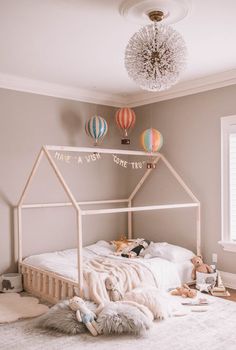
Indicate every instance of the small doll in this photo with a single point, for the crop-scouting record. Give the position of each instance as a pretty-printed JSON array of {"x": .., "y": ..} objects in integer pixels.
[
  {"x": 83, "y": 314},
  {"x": 134, "y": 252}
]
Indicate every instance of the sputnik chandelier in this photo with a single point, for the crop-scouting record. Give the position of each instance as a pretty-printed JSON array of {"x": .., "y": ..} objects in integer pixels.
[{"x": 156, "y": 55}]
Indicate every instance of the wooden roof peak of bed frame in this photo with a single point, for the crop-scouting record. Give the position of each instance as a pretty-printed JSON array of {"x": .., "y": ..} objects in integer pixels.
[{"x": 45, "y": 151}]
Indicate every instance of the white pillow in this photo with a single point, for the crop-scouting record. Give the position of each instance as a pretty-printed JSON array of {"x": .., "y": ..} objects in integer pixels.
[
  {"x": 169, "y": 252},
  {"x": 101, "y": 248}
]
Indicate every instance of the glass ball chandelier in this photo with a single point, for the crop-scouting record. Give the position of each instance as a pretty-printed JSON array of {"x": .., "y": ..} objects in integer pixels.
[{"x": 156, "y": 55}]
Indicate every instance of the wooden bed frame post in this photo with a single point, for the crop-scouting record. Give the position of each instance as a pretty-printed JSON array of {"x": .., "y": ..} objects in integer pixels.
[
  {"x": 198, "y": 230},
  {"x": 79, "y": 253},
  {"x": 130, "y": 231},
  {"x": 19, "y": 239},
  {"x": 79, "y": 220},
  {"x": 19, "y": 207}
]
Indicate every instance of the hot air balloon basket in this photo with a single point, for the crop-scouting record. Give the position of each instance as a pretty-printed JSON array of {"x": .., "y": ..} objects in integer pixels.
[
  {"x": 125, "y": 141},
  {"x": 151, "y": 166}
]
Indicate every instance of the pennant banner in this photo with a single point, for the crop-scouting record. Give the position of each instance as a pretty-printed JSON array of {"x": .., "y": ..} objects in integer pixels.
[
  {"x": 93, "y": 157},
  {"x": 68, "y": 158},
  {"x": 125, "y": 164}
]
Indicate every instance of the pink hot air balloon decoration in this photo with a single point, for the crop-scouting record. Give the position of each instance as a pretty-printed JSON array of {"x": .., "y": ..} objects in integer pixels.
[{"x": 125, "y": 120}]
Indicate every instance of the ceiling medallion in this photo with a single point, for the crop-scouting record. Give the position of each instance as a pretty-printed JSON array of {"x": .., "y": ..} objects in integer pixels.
[
  {"x": 156, "y": 55},
  {"x": 137, "y": 10}
]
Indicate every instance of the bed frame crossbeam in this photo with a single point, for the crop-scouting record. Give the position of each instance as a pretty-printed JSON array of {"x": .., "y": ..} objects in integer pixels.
[
  {"x": 69, "y": 204},
  {"x": 133, "y": 209},
  {"x": 31, "y": 273},
  {"x": 99, "y": 150}
]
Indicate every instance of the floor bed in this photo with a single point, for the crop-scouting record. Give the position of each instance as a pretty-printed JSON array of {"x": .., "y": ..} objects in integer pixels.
[{"x": 54, "y": 276}]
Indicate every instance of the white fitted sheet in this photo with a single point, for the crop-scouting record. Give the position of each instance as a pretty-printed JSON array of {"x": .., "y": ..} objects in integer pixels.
[
  {"x": 64, "y": 263},
  {"x": 185, "y": 269}
]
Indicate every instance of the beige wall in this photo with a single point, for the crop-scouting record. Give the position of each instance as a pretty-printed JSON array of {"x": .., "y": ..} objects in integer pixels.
[
  {"x": 191, "y": 129},
  {"x": 28, "y": 121}
]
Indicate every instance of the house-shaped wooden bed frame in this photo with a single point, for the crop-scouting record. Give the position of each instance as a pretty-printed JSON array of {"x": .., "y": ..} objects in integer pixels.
[{"x": 52, "y": 286}]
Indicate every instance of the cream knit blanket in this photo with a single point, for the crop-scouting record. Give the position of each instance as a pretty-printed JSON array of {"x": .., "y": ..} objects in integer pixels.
[{"x": 130, "y": 273}]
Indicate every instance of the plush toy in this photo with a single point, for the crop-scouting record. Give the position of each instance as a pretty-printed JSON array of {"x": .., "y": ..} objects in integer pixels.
[
  {"x": 83, "y": 314},
  {"x": 184, "y": 292},
  {"x": 121, "y": 244},
  {"x": 200, "y": 266},
  {"x": 137, "y": 250},
  {"x": 111, "y": 283}
]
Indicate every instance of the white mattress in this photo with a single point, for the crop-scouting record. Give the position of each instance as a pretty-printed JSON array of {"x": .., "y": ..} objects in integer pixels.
[
  {"x": 185, "y": 269},
  {"x": 64, "y": 263}
]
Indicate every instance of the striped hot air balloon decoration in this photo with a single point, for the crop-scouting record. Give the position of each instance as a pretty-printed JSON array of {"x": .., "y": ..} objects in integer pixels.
[
  {"x": 152, "y": 141},
  {"x": 96, "y": 127},
  {"x": 125, "y": 119}
]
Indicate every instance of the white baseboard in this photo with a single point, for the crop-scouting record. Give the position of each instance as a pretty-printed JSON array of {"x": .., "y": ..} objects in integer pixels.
[{"x": 229, "y": 279}]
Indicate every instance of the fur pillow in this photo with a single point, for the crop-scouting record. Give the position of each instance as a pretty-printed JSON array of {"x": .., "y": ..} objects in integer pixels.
[
  {"x": 62, "y": 319},
  {"x": 153, "y": 299},
  {"x": 115, "y": 317},
  {"x": 124, "y": 317}
]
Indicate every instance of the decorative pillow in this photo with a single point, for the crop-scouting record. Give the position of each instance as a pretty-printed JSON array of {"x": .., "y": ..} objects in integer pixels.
[
  {"x": 169, "y": 252},
  {"x": 153, "y": 299},
  {"x": 124, "y": 317},
  {"x": 62, "y": 319},
  {"x": 101, "y": 248},
  {"x": 205, "y": 281}
]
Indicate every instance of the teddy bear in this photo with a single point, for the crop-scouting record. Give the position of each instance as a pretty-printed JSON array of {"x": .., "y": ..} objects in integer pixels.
[
  {"x": 113, "y": 291},
  {"x": 83, "y": 314},
  {"x": 184, "y": 292},
  {"x": 199, "y": 266}
]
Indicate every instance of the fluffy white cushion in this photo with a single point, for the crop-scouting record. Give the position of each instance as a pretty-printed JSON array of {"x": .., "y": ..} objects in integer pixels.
[
  {"x": 169, "y": 252},
  {"x": 153, "y": 299}
]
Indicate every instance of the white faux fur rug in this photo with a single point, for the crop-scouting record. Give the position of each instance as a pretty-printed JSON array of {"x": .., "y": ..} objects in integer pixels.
[
  {"x": 14, "y": 307},
  {"x": 211, "y": 330}
]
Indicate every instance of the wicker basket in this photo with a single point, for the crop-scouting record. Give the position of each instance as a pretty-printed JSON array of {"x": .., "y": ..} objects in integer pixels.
[{"x": 11, "y": 283}]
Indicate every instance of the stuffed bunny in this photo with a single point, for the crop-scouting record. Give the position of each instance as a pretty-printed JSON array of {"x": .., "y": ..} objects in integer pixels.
[
  {"x": 83, "y": 314},
  {"x": 111, "y": 283},
  {"x": 184, "y": 292}
]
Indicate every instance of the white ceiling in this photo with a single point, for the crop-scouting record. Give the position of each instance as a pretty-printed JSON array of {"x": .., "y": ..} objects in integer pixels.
[{"x": 76, "y": 48}]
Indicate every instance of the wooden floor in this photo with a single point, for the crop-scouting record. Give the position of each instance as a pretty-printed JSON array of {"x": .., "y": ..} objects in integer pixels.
[{"x": 232, "y": 295}]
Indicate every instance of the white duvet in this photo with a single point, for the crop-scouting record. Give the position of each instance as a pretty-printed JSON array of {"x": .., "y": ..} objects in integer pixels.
[{"x": 64, "y": 263}]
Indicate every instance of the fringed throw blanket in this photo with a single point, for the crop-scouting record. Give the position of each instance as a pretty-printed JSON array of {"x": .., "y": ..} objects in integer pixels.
[{"x": 130, "y": 273}]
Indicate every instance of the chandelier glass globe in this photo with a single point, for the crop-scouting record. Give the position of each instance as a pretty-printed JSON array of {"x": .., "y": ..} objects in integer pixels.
[{"x": 155, "y": 57}]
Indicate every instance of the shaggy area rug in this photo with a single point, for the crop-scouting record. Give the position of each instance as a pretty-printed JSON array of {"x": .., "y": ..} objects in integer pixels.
[
  {"x": 14, "y": 307},
  {"x": 210, "y": 330}
]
